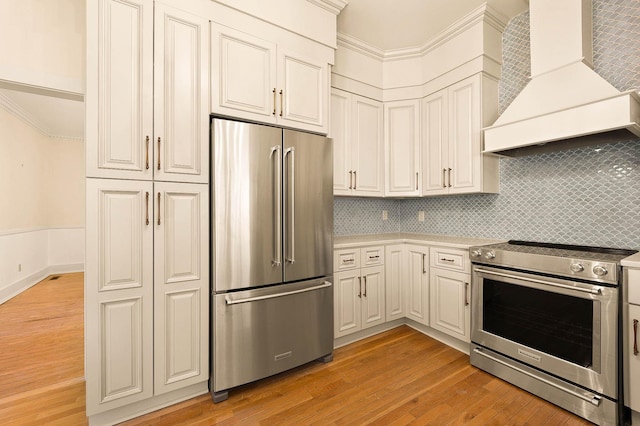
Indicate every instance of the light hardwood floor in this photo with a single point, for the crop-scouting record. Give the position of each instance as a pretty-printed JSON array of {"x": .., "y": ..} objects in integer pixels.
[{"x": 395, "y": 378}]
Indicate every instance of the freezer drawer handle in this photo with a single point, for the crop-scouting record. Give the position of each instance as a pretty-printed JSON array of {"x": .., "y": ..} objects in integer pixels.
[
  {"x": 230, "y": 301},
  {"x": 594, "y": 399},
  {"x": 594, "y": 290}
]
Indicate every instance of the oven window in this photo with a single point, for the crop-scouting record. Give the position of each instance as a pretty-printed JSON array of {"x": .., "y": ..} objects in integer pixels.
[{"x": 554, "y": 323}]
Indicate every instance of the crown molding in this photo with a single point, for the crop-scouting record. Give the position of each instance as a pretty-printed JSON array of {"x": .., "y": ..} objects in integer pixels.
[
  {"x": 333, "y": 6},
  {"x": 28, "y": 118},
  {"x": 483, "y": 13}
]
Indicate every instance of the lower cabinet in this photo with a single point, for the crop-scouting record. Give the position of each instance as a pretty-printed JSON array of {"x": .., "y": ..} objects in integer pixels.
[
  {"x": 146, "y": 280},
  {"x": 450, "y": 308},
  {"x": 394, "y": 279},
  {"x": 358, "y": 299},
  {"x": 630, "y": 337},
  {"x": 417, "y": 283}
]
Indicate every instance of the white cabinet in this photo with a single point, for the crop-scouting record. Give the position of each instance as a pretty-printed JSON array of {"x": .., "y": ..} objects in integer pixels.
[
  {"x": 146, "y": 274},
  {"x": 358, "y": 150},
  {"x": 359, "y": 289},
  {"x": 181, "y": 96},
  {"x": 181, "y": 285},
  {"x": 258, "y": 79},
  {"x": 402, "y": 148},
  {"x": 118, "y": 293},
  {"x": 631, "y": 336},
  {"x": 417, "y": 283},
  {"x": 452, "y": 159},
  {"x": 141, "y": 131},
  {"x": 449, "y": 292},
  {"x": 394, "y": 278}
]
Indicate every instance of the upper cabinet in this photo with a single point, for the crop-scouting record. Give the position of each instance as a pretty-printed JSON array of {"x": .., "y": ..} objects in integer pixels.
[
  {"x": 146, "y": 131},
  {"x": 402, "y": 148},
  {"x": 261, "y": 80},
  {"x": 452, "y": 119},
  {"x": 358, "y": 151}
]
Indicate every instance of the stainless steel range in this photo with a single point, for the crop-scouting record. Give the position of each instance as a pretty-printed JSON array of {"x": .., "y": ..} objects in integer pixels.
[{"x": 546, "y": 318}]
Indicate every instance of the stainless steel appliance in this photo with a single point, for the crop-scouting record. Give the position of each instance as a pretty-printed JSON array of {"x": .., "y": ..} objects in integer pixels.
[
  {"x": 546, "y": 318},
  {"x": 272, "y": 242}
]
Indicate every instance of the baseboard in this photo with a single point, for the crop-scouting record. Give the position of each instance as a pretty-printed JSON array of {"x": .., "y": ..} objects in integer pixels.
[{"x": 14, "y": 289}]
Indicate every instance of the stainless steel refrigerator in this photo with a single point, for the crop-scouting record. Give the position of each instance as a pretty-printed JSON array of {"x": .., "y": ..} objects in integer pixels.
[{"x": 272, "y": 252}]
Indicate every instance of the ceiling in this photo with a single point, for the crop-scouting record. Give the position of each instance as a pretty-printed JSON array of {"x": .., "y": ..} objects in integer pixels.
[
  {"x": 52, "y": 116},
  {"x": 391, "y": 25}
]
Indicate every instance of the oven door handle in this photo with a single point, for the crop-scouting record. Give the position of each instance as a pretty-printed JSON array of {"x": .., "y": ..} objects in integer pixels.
[
  {"x": 594, "y": 399},
  {"x": 594, "y": 290}
]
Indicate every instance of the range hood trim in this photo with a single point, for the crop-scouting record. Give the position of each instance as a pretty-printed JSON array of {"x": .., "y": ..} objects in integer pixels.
[{"x": 621, "y": 111}]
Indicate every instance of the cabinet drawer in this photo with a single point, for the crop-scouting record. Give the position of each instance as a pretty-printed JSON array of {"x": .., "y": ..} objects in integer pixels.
[
  {"x": 634, "y": 286},
  {"x": 346, "y": 259},
  {"x": 456, "y": 260},
  {"x": 372, "y": 256}
]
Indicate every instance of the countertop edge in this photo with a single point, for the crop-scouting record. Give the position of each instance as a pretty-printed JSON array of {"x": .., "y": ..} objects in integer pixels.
[
  {"x": 632, "y": 261},
  {"x": 461, "y": 242}
]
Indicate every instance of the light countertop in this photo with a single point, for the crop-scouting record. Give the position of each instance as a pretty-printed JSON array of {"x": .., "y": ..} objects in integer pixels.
[
  {"x": 632, "y": 261},
  {"x": 382, "y": 239}
]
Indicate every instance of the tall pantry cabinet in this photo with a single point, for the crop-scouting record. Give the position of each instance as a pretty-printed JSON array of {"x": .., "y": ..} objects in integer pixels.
[{"x": 147, "y": 138}]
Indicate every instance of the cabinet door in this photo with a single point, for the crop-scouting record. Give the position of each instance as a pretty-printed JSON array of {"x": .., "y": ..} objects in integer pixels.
[
  {"x": 417, "y": 291},
  {"x": 347, "y": 294},
  {"x": 181, "y": 285},
  {"x": 302, "y": 92},
  {"x": 435, "y": 144},
  {"x": 450, "y": 302},
  {"x": 373, "y": 294},
  {"x": 632, "y": 362},
  {"x": 402, "y": 148},
  {"x": 119, "y": 116},
  {"x": 118, "y": 293},
  {"x": 394, "y": 278},
  {"x": 368, "y": 147},
  {"x": 243, "y": 75},
  {"x": 340, "y": 132},
  {"x": 464, "y": 136},
  {"x": 181, "y": 96}
]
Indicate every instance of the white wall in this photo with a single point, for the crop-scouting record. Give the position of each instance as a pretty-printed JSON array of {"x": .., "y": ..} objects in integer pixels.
[
  {"x": 41, "y": 205},
  {"x": 43, "y": 43}
]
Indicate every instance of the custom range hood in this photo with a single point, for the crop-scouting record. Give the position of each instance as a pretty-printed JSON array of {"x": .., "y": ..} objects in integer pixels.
[{"x": 566, "y": 104}]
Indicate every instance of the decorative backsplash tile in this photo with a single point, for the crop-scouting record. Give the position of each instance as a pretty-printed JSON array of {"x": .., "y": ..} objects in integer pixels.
[{"x": 585, "y": 196}]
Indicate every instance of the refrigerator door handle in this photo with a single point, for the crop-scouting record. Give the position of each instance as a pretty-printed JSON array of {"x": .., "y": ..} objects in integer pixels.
[
  {"x": 230, "y": 301},
  {"x": 291, "y": 195},
  {"x": 277, "y": 260}
]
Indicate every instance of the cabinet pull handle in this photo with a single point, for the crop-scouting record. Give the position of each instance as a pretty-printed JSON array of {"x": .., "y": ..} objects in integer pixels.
[
  {"x": 449, "y": 177},
  {"x": 360, "y": 287},
  {"x": 355, "y": 180},
  {"x": 635, "y": 337},
  {"x": 444, "y": 259},
  {"x": 466, "y": 294},
  {"x": 158, "y": 208},
  {"x": 147, "y": 208},
  {"x": 444, "y": 178},
  {"x": 350, "y": 179},
  {"x": 281, "y": 102},
  {"x": 365, "y": 286},
  {"x": 424, "y": 268},
  {"x": 158, "y": 152},
  {"x": 416, "y": 181},
  {"x": 274, "y": 101},
  {"x": 147, "y": 153}
]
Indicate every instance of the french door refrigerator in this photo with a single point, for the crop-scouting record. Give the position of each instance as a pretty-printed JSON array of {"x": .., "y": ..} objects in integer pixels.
[{"x": 272, "y": 246}]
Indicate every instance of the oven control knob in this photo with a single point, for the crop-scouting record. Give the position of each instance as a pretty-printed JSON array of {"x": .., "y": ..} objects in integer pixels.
[
  {"x": 577, "y": 267},
  {"x": 476, "y": 253},
  {"x": 600, "y": 270},
  {"x": 490, "y": 255}
]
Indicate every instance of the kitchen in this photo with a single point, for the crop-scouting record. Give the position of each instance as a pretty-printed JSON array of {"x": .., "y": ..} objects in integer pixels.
[{"x": 529, "y": 185}]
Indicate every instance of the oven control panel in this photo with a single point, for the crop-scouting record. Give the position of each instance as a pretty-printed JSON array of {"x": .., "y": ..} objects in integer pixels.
[{"x": 530, "y": 260}]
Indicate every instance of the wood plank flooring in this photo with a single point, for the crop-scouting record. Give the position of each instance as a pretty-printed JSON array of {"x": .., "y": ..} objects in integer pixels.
[{"x": 395, "y": 378}]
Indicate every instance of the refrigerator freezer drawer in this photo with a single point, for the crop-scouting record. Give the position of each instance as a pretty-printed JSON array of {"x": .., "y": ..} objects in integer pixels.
[{"x": 262, "y": 332}]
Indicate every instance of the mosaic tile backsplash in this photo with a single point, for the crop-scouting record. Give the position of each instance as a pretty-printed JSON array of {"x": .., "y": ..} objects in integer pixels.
[{"x": 585, "y": 196}]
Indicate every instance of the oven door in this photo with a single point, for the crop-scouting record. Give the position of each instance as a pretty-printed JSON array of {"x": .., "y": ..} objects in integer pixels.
[{"x": 563, "y": 327}]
